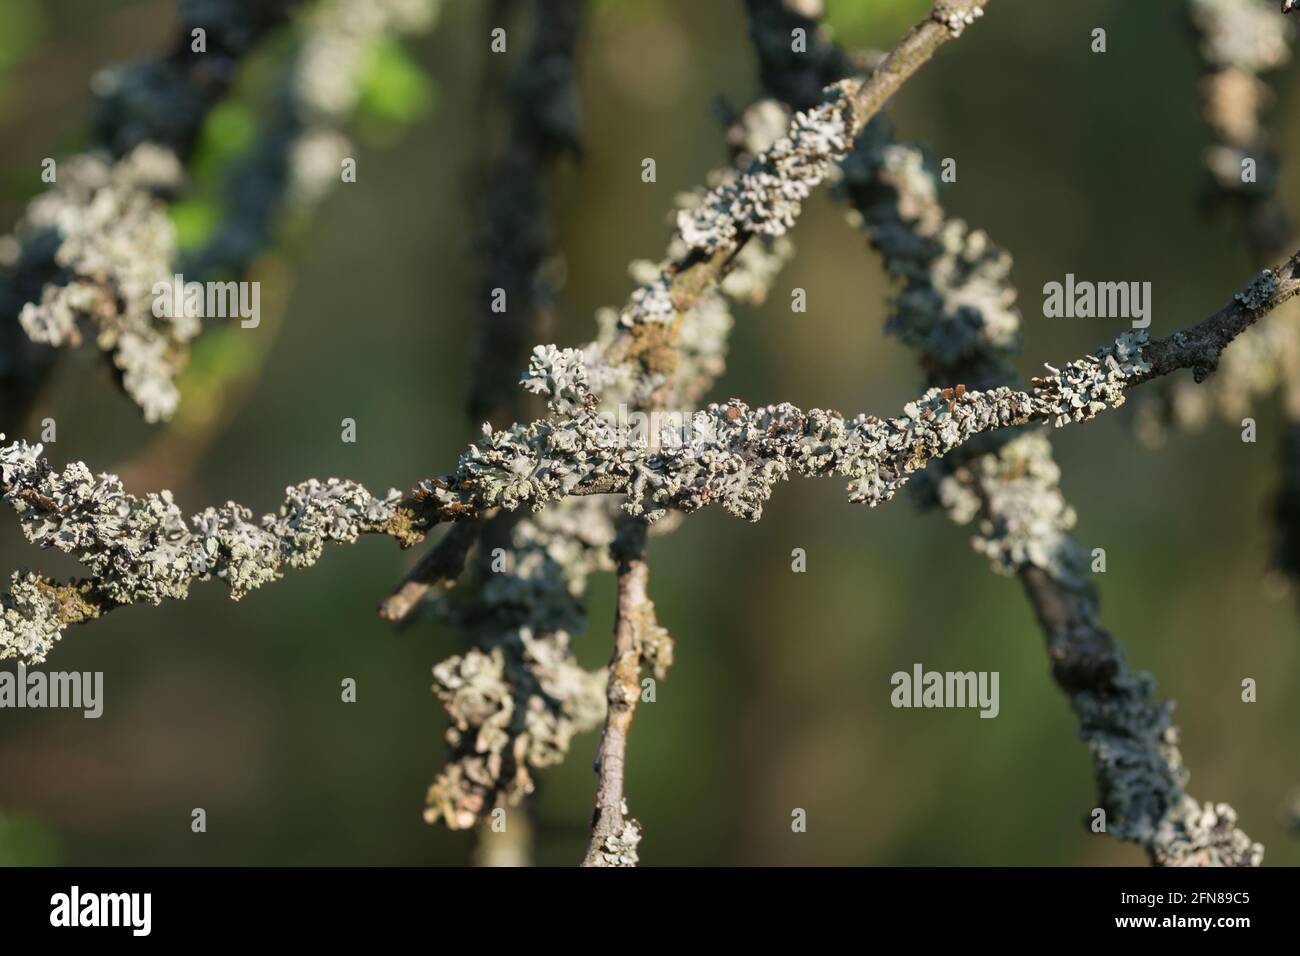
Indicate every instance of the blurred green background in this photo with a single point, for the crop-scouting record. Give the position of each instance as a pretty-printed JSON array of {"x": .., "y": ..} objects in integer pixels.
[{"x": 779, "y": 699}]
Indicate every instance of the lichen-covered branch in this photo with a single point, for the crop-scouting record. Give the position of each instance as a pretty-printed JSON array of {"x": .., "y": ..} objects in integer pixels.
[
  {"x": 86, "y": 255},
  {"x": 763, "y": 200},
  {"x": 957, "y": 309},
  {"x": 143, "y": 549},
  {"x": 91, "y": 248},
  {"x": 638, "y": 640},
  {"x": 732, "y": 455},
  {"x": 1239, "y": 42},
  {"x": 546, "y": 558},
  {"x": 637, "y": 366},
  {"x": 1134, "y": 743},
  {"x": 1024, "y": 523}
]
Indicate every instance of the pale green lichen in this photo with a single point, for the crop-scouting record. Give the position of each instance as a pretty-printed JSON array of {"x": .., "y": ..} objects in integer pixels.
[
  {"x": 518, "y": 710},
  {"x": 620, "y": 849},
  {"x": 767, "y": 197},
  {"x": 1014, "y": 496},
  {"x": 734, "y": 456},
  {"x": 144, "y": 550},
  {"x": 524, "y": 615},
  {"x": 1259, "y": 291},
  {"x": 114, "y": 243},
  {"x": 560, "y": 377},
  {"x": 29, "y": 619},
  {"x": 1244, "y": 34},
  {"x": 1089, "y": 386},
  {"x": 517, "y": 700}
]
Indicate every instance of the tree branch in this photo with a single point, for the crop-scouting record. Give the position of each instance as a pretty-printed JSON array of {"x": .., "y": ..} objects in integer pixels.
[
  {"x": 764, "y": 200},
  {"x": 957, "y": 310},
  {"x": 98, "y": 261},
  {"x": 442, "y": 563},
  {"x": 638, "y": 639},
  {"x": 92, "y": 248},
  {"x": 141, "y": 551},
  {"x": 516, "y": 240}
]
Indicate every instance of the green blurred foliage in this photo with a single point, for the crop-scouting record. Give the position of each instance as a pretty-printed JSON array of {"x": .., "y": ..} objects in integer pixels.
[
  {"x": 230, "y": 129},
  {"x": 395, "y": 92},
  {"x": 26, "y": 842},
  {"x": 194, "y": 219},
  {"x": 22, "y": 27},
  {"x": 870, "y": 24}
]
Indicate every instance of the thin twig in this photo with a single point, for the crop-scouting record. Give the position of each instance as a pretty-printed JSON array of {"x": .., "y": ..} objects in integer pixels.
[
  {"x": 442, "y": 563},
  {"x": 614, "y": 834}
]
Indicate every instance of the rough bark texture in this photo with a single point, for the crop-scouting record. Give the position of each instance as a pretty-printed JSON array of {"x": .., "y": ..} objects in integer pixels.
[{"x": 614, "y": 834}]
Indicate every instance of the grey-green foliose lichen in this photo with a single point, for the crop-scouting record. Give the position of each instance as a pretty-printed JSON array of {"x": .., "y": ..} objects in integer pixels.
[{"x": 144, "y": 550}]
